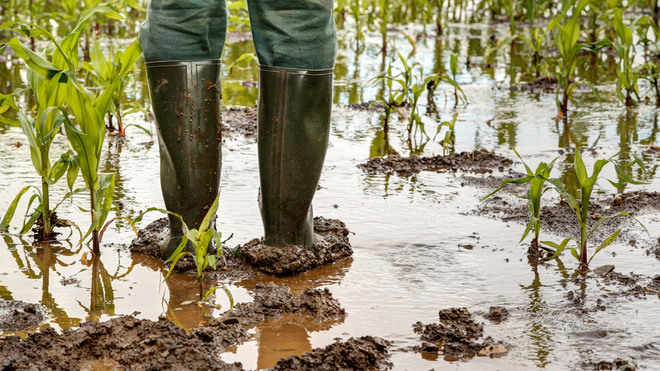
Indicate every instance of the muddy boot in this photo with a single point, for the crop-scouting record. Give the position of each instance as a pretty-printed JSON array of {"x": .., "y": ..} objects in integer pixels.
[
  {"x": 293, "y": 129},
  {"x": 185, "y": 96}
]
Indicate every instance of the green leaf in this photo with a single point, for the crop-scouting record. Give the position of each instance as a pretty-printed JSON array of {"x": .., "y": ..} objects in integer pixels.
[
  {"x": 4, "y": 224},
  {"x": 174, "y": 261},
  {"x": 608, "y": 241}
]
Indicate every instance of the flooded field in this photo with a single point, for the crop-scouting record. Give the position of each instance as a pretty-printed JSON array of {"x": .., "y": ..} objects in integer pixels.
[{"x": 422, "y": 243}]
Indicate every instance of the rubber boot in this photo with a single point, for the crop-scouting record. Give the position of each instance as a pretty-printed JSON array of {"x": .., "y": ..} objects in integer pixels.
[
  {"x": 185, "y": 97},
  {"x": 292, "y": 138}
]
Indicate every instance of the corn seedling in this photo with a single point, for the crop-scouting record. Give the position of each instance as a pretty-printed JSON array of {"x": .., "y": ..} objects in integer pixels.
[
  {"x": 537, "y": 188},
  {"x": 449, "y": 140},
  {"x": 566, "y": 35},
  {"x": 626, "y": 84},
  {"x": 106, "y": 70},
  {"x": 393, "y": 98},
  {"x": 200, "y": 239},
  {"x": 586, "y": 185}
]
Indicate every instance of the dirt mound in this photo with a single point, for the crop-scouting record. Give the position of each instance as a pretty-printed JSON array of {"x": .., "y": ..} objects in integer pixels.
[
  {"x": 560, "y": 218},
  {"x": 365, "y": 353},
  {"x": 497, "y": 314},
  {"x": 480, "y": 161},
  {"x": 617, "y": 364},
  {"x": 240, "y": 121},
  {"x": 367, "y": 106},
  {"x": 546, "y": 84},
  {"x": 18, "y": 315},
  {"x": 456, "y": 334},
  {"x": 124, "y": 342},
  {"x": 294, "y": 259},
  {"x": 254, "y": 255},
  {"x": 271, "y": 300},
  {"x": 132, "y": 343}
]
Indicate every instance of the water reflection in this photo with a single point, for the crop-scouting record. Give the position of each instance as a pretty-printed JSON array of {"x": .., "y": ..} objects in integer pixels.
[{"x": 36, "y": 262}]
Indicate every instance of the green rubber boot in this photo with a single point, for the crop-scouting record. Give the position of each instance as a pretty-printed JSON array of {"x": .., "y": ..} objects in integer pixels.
[
  {"x": 185, "y": 97},
  {"x": 293, "y": 129}
]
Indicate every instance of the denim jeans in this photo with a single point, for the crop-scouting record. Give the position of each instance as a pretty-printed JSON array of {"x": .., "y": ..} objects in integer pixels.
[{"x": 286, "y": 33}]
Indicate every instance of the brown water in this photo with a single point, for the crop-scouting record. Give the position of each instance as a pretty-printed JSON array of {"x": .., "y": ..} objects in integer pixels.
[{"x": 407, "y": 263}]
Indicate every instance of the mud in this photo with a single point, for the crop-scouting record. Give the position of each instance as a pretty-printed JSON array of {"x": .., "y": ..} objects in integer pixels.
[
  {"x": 560, "y": 219},
  {"x": 617, "y": 364},
  {"x": 371, "y": 106},
  {"x": 124, "y": 342},
  {"x": 244, "y": 260},
  {"x": 240, "y": 122},
  {"x": 456, "y": 334},
  {"x": 16, "y": 315},
  {"x": 497, "y": 314},
  {"x": 334, "y": 246},
  {"x": 479, "y": 161},
  {"x": 545, "y": 84},
  {"x": 130, "y": 343},
  {"x": 273, "y": 301},
  {"x": 365, "y": 353}
]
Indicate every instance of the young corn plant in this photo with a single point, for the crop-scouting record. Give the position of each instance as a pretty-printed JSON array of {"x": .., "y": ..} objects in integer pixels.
[
  {"x": 626, "y": 84},
  {"x": 537, "y": 188},
  {"x": 449, "y": 141},
  {"x": 392, "y": 98},
  {"x": 105, "y": 71},
  {"x": 48, "y": 81},
  {"x": 200, "y": 240},
  {"x": 566, "y": 35},
  {"x": 87, "y": 134},
  {"x": 586, "y": 185}
]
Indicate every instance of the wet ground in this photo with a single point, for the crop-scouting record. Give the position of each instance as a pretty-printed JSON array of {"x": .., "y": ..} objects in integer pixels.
[{"x": 420, "y": 243}]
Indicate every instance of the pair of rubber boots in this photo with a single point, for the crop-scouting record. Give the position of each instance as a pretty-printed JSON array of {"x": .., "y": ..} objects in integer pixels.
[{"x": 293, "y": 128}]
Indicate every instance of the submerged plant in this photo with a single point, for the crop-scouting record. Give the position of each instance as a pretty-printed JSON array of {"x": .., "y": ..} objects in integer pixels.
[
  {"x": 586, "y": 185},
  {"x": 537, "y": 188}
]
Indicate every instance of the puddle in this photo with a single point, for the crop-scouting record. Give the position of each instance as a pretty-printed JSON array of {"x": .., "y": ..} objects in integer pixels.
[{"x": 409, "y": 234}]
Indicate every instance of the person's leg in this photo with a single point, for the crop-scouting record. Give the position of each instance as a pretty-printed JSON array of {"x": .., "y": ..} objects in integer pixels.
[
  {"x": 182, "y": 42},
  {"x": 176, "y": 30},
  {"x": 296, "y": 46}
]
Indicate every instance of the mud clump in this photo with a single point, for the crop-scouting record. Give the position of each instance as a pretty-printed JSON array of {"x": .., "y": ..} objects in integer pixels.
[
  {"x": 546, "y": 84},
  {"x": 254, "y": 255},
  {"x": 124, "y": 342},
  {"x": 617, "y": 364},
  {"x": 365, "y": 353},
  {"x": 497, "y": 314},
  {"x": 456, "y": 334},
  {"x": 272, "y": 301},
  {"x": 240, "y": 121},
  {"x": 294, "y": 259},
  {"x": 372, "y": 106},
  {"x": 560, "y": 217},
  {"x": 479, "y": 161},
  {"x": 18, "y": 315},
  {"x": 635, "y": 201},
  {"x": 130, "y": 343}
]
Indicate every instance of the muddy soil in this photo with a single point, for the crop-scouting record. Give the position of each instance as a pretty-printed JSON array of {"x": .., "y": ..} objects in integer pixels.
[
  {"x": 560, "y": 219},
  {"x": 456, "y": 335},
  {"x": 545, "y": 84},
  {"x": 365, "y": 353},
  {"x": 131, "y": 343},
  {"x": 370, "y": 106},
  {"x": 16, "y": 315},
  {"x": 293, "y": 259},
  {"x": 245, "y": 259},
  {"x": 240, "y": 122},
  {"x": 617, "y": 364},
  {"x": 479, "y": 161}
]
